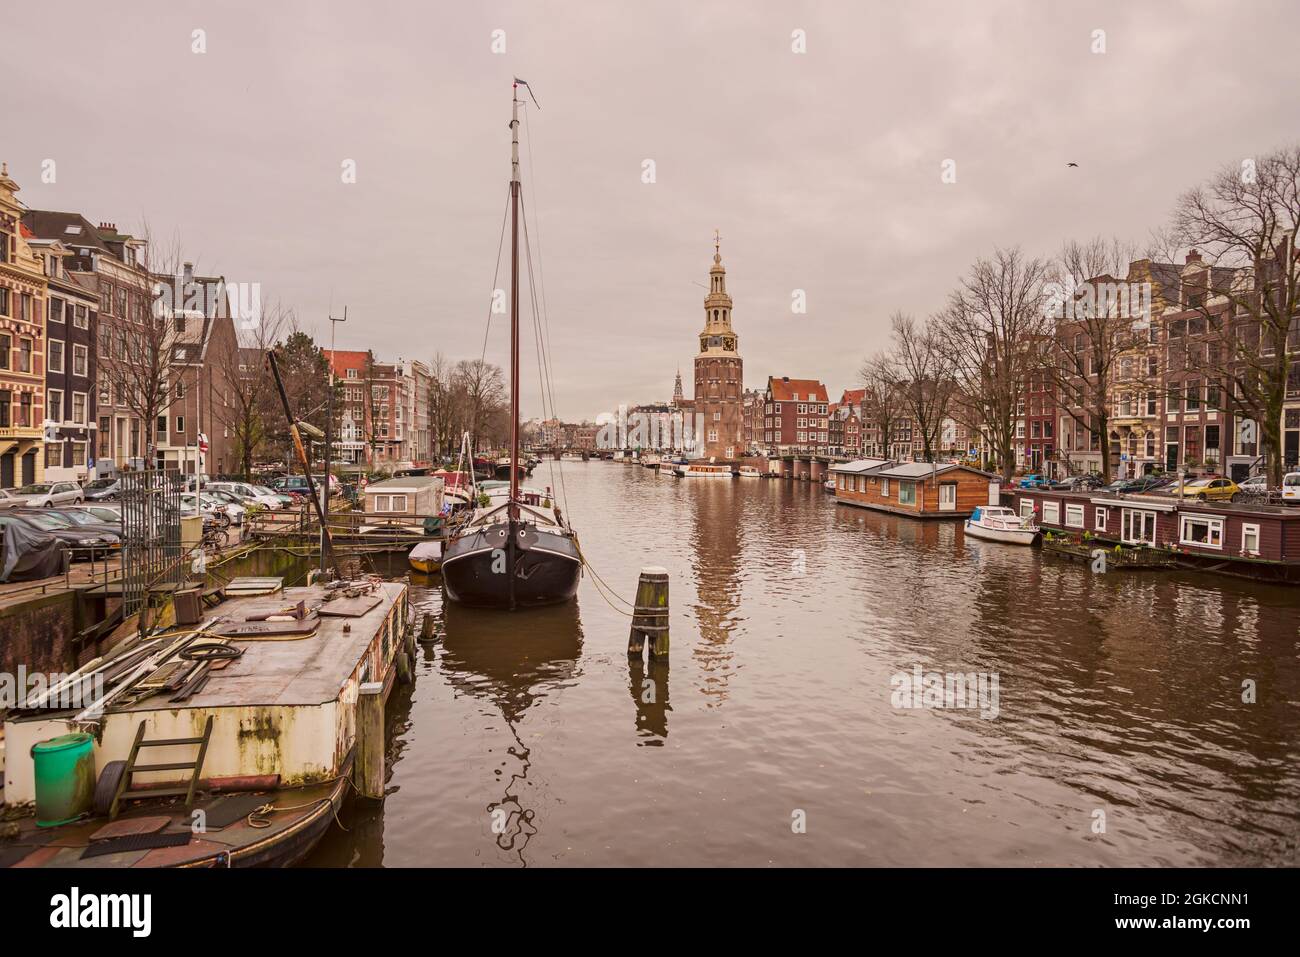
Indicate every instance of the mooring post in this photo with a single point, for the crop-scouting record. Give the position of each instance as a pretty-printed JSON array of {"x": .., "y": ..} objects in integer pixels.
[
  {"x": 650, "y": 616},
  {"x": 426, "y": 628},
  {"x": 368, "y": 770}
]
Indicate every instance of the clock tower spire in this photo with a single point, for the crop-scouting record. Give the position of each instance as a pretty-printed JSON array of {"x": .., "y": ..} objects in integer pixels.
[{"x": 719, "y": 369}]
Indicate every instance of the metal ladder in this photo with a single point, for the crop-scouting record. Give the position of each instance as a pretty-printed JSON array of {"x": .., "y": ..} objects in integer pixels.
[{"x": 124, "y": 793}]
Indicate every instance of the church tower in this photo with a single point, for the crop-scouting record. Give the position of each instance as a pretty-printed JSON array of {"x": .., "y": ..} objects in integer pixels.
[
  {"x": 718, "y": 370},
  {"x": 678, "y": 395}
]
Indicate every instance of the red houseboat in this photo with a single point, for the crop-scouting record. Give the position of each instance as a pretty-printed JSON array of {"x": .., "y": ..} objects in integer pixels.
[{"x": 1255, "y": 541}]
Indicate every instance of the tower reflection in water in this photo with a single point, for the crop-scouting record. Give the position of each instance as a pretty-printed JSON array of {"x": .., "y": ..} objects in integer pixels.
[{"x": 512, "y": 660}]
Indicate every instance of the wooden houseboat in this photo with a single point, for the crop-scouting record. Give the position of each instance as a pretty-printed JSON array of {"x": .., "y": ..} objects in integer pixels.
[
  {"x": 401, "y": 504},
  {"x": 915, "y": 489},
  {"x": 230, "y": 744},
  {"x": 1255, "y": 541}
]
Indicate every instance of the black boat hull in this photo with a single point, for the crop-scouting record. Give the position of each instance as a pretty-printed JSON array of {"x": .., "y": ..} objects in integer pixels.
[{"x": 491, "y": 568}]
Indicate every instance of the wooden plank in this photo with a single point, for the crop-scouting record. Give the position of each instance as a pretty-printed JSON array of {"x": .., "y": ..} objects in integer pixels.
[{"x": 349, "y": 607}]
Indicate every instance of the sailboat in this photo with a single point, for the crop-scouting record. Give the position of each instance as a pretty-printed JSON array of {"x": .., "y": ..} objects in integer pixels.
[{"x": 516, "y": 552}]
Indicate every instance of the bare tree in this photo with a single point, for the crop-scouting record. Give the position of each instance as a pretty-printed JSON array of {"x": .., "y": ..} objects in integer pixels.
[
  {"x": 881, "y": 402},
  {"x": 485, "y": 395},
  {"x": 250, "y": 387},
  {"x": 446, "y": 405},
  {"x": 1098, "y": 321},
  {"x": 304, "y": 370},
  {"x": 135, "y": 350},
  {"x": 925, "y": 385},
  {"x": 992, "y": 332},
  {"x": 1243, "y": 223}
]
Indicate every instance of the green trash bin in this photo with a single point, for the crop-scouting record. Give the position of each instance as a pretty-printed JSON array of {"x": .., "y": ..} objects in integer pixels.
[{"x": 65, "y": 778}]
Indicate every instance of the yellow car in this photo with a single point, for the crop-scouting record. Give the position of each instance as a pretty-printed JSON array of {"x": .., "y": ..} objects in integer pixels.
[{"x": 1212, "y": 490}]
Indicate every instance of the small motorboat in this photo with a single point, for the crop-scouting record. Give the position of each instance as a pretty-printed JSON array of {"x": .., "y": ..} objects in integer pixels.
[
  {"x": 748, "y": 471},
  {"x": 426, "y": 557},
  {"x": 829, "y": 486},
  {"x": 997, "y": 523}
]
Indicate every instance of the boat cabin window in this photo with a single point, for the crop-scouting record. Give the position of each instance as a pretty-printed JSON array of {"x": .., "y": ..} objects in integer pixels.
[
  {"x": 1074, "y": 516},
  {"x": 906, "y": 493},
  {"x": 389, "y": 503},
  {"x": 1201, "y": 530},
  {"x": 1052, "y": 513},
  {"x": 1137, "y": 527},
  {"x": 1026, "y": 507},
  {"x": 1250, "y": 539},
  {"x": 1099, "y": 519}
]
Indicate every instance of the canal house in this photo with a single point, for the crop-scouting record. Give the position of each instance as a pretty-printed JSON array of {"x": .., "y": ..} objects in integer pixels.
[
  {"x": 1260, "y": 541},
  {"x": 917, "y": 489}
]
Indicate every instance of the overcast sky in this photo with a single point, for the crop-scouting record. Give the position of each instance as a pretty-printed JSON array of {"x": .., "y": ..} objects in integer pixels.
[{"x": 821, "y": 169}]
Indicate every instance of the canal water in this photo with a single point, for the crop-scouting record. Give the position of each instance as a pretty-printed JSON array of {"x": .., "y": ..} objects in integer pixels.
[{"x": 1118, "y": 734}]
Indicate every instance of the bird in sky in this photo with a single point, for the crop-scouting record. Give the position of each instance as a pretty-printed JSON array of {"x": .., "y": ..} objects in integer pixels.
[{"x": 1072, "y": 164}]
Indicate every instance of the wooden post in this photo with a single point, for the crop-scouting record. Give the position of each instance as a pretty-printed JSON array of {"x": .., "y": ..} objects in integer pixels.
[
  {"x": 368, "y": 769},
  {"x": 426, "y": 628},
  {"x": 650, "y": 617}
]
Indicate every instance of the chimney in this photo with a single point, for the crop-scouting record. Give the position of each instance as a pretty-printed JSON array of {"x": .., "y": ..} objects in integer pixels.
[
  {"x": 189, "y": 273},
  {"x": 1192, "y": 257},
  {"x": 108, "y": 227}
]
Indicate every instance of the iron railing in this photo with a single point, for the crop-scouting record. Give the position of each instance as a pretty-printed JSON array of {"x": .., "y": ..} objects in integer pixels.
[{"x": 151, "y": 535}]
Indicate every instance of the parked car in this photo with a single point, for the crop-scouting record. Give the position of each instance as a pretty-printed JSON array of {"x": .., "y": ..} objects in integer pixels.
[
  {"x": 87, "y": 542},
  {"x": 213, "y": 506},
  {"x": 297, "y": 484},
  {"x": 1080, "y": 483},
  {"x": 1211, "y": 490},
  {"x": 102, "y": 490},
  {"x": 1291, "y": 487},
  {"x": 292, "y": 485},
  {"x": 77, "y": 518},
  {"x": 230, "y": 499},
  {"x": 245, "y": 493},
  {"x": 10, "y": 500},
  {"x": 1033, "y": 481},
  {"x": 49, "y": 494},
  {"x": 283, "y": 500},
  {"x": 1139, "y": 485},
  {"x": 108, "y": 514},
  {"x": 1256, "y": 484}
]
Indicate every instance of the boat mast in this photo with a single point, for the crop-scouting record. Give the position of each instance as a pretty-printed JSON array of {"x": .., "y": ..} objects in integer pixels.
[{"x": 514, "y": 305}]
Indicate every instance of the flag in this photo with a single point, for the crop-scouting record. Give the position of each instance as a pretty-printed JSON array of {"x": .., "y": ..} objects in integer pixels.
[{"x": 519, "y": 82}]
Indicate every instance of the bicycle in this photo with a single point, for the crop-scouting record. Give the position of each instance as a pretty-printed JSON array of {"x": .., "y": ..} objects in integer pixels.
[{"x": 215, "y": 537}]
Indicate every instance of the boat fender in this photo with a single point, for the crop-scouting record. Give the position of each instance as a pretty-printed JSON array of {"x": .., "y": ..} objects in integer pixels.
[{"x": 404, "y": 674}]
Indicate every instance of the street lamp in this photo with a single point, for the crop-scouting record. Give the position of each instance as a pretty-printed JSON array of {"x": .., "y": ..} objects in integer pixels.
[{"x": 329, "y": 436}]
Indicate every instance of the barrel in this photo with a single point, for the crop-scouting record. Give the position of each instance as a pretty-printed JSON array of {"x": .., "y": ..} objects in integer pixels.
[{"x": 65, "y": 778}]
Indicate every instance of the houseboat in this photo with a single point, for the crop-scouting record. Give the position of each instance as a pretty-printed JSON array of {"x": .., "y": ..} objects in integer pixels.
[
  {"x": 915, "y": 489},
  {"x": 457, "y": 488},
  {"x": 702, "y": 470},
  {"x": 1254, "y": 541},
  {"x": 749, "y": 472},
  {"x": 227, "y": 744},
  {"x": 400, "y": 505}
]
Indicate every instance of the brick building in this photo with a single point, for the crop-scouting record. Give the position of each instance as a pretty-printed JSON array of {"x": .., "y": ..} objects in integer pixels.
[{"x": 796, "y": 415}]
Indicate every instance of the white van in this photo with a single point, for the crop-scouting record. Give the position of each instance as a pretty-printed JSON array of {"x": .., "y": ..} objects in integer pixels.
[{"x": 1291, "y": 487}]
